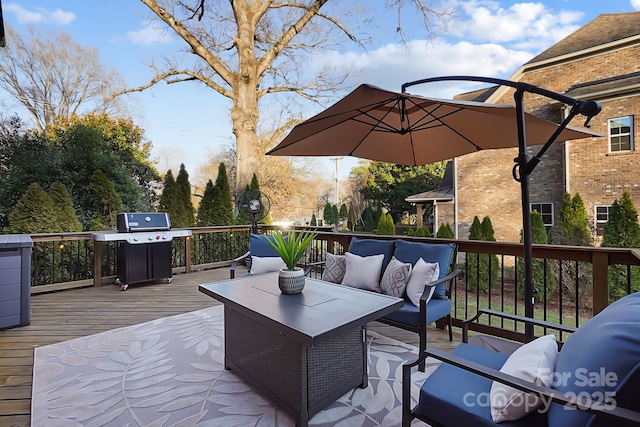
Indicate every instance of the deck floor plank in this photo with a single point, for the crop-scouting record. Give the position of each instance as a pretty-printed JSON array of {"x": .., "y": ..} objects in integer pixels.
[{"x": 65, "y": 315}]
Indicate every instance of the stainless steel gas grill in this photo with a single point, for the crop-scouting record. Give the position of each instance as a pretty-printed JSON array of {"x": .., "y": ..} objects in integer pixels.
[{"x": 143, "y": 246}]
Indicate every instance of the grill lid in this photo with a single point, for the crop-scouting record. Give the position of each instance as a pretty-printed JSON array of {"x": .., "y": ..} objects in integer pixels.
[{"x": 143, "y": 221}]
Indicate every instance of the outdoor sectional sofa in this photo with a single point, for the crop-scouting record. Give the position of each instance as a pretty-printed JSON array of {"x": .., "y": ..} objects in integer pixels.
[{"x": 433, "y": 302}]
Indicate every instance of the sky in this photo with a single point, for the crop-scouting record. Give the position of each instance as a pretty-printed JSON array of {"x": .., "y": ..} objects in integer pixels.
[{"x": 185, "y": 122}]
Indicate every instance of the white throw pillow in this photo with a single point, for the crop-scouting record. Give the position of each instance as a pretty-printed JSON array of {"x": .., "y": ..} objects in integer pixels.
[
  {"x": 363, "y": 272},
  {"x": 395, "y": 278},
  {"x": 267, "y": 264},
  {"x": 334, "y": 268},
  {"x": 533, "y": 362},
  {"x": 421, "y": 274}
]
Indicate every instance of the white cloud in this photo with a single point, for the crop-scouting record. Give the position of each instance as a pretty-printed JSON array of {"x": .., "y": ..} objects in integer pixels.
[
  {"x": 151, "y": 32},
  {"x": 522, "y": 25},
  {"x": 39, "y": 15},
  {"x": 635, "y": 4},
  {"x": 392, "y": 65}
]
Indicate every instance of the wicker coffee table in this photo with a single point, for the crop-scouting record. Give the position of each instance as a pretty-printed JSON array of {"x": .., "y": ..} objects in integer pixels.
[{"x": 303, "y": 351}]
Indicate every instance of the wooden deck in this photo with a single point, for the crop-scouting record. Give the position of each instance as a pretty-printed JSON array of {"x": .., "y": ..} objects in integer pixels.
[{"x": 75, "y": 313}]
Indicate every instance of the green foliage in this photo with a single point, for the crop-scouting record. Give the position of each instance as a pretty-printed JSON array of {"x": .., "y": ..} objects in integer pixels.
[
  {"x": 330, "y": 214},
  {"x": 573, "y": 220},
  {"x": 184, "y": 210},
  {"x": 109, "y": 202},
  {"x": 488, "y": 234},
  {"x": 538, "y": 236},
  {"x": 386, "y": 226},
  {"x": 327, "y": 214},
  {"x": 293, "y": 247},
  {"x": 223, "y": 205},
  {"x": 368, "y": 219},
  {"x": 34, "y": 213},
  {"x": 573, "y": 230},
  {"x": 482, "y": 268},
  {"x": 169, "y": 195},
  {"x": 63, "y": 206},
  {"x": 475, "y": 231},
  {"x": 622, "y": 231},
  {"x": 335, "y": 215},
  {"x": 445, "y": 231},
  {"x": 344, "y": 212},
  {"x": 206, "y": 209},
  {"x": 254, "y": 183},
  {"x": 390, "y": 184},
  {"x": 70, "y": 153},
  {"x": 314, "y": 221},
  {"x": 411, "y": 232},
  {"x": 422, "y": 232}
]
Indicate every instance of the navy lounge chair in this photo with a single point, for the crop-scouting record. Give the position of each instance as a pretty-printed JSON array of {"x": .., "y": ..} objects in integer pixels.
[{"x": 607, "y": 347}]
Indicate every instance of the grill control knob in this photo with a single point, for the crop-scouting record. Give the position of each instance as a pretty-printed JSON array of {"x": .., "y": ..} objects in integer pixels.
[{"x": 150, "y": 237}]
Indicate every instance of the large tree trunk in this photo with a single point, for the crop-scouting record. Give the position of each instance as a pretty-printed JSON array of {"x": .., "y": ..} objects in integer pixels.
[
  {"x": 244, "y": 118},
  {"x": 245, "y": 113}
]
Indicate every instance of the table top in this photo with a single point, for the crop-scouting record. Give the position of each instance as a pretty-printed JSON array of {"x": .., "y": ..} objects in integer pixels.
[{"x": 320, "y": 312}]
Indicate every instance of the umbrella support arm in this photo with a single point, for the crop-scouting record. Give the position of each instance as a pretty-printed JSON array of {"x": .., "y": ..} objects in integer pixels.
[
  {"x": 533, "y": 162},
  {"x": 586, "y": 108},
  {"x": 524, "y": 167}
]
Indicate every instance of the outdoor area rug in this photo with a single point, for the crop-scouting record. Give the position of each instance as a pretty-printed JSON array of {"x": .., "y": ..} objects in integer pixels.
[{"x": 170, "y": 372}]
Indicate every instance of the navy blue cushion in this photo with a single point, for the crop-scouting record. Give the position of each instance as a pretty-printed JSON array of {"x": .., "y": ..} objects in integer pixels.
[
  {"x": 454, "y": 397},
  {"x": 258, "y": 245},
  {"x": 409, "y": 314},
  {"x": 608, "y": 343},
  {"x": 430, "y": 252},
  {"x": 368, "y": 247}
]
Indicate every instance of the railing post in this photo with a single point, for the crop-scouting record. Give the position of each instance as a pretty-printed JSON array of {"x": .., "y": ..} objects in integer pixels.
[
  {"x": 600, "y": 294},
  {"x": 187, "y": 254},
  {"x": 97, "y": 263}
]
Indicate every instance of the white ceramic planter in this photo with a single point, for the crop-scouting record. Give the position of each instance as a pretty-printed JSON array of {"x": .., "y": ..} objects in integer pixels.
[{"x": 291, "y": 282}]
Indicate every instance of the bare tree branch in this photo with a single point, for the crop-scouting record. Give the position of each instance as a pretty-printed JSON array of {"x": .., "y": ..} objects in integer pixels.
[
  {"x": 197, "y": 47},
  {"x": 53, "y": 77},
  {"x": 165, "y": 76}
]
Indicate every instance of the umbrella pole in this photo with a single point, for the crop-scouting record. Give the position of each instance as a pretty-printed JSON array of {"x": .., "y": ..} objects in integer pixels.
[{"x": 529, "y": 297}]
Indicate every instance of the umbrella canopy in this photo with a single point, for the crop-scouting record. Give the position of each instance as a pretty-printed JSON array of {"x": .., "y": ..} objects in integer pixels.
[
  {"x": 399, "y": 128},
  {"x": 377, "y": 124}
]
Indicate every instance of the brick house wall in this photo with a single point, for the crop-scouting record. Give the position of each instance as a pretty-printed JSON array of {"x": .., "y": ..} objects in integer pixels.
[{"x": 485, "y": 185}]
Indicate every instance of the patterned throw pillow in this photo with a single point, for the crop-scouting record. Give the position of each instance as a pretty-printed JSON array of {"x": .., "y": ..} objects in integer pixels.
[
  {"x": 334, "y": 268},
  {"x": 395, "y": 278}
]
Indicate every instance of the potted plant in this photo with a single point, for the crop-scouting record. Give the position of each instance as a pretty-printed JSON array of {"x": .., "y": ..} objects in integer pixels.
[{"x": 291, "y": 249}]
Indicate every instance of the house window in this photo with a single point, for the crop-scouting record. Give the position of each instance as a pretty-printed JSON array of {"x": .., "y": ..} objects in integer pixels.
[
  {"x": 602, "y": 213},
  {"x": 546, "y": 210},
  {"x": 621, "y": 134},
  {"x": 602, "y": 217}
]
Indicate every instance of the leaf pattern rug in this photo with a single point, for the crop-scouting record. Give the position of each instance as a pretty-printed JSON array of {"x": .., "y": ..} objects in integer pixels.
[{"x": 169, "y": 372}]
